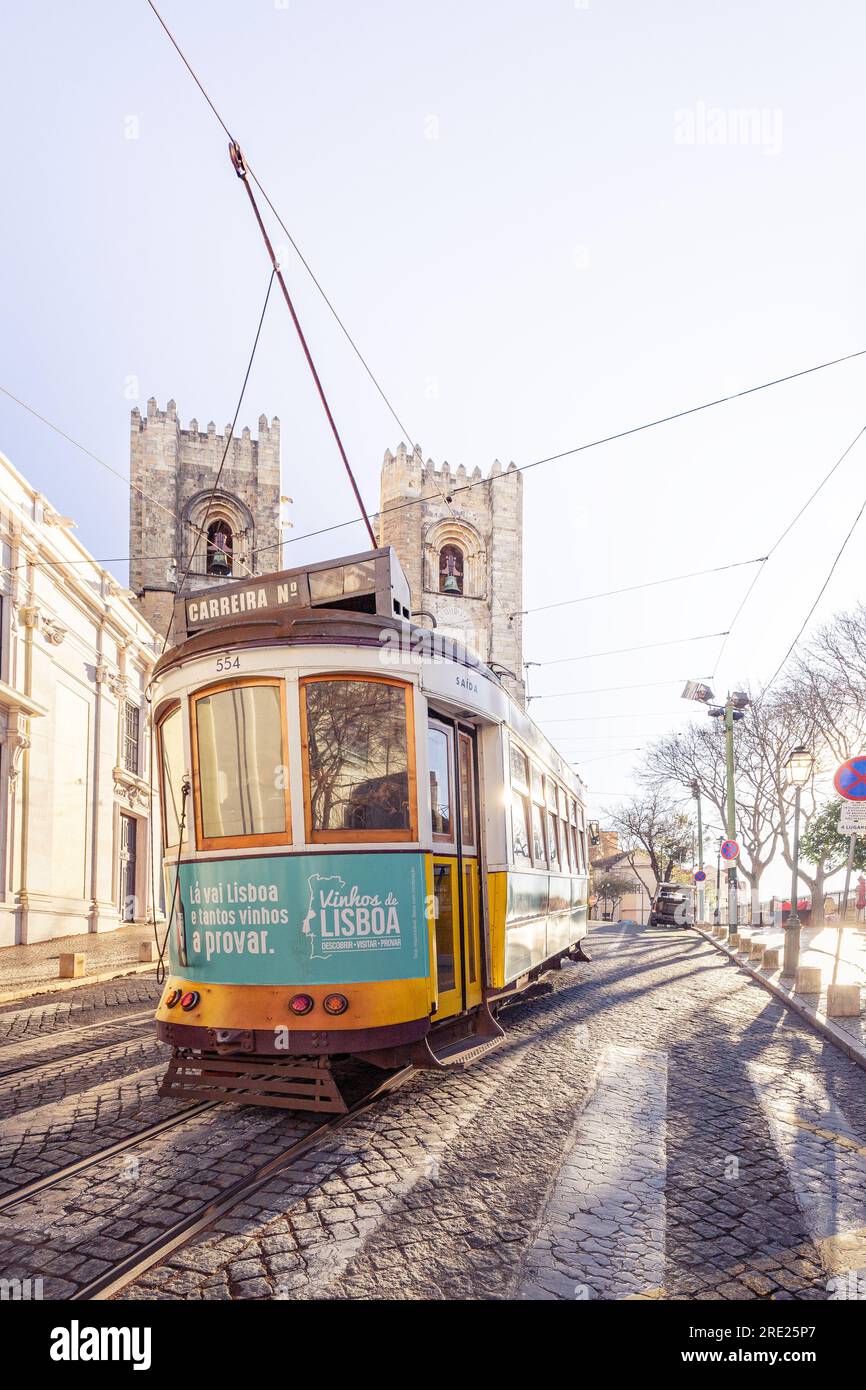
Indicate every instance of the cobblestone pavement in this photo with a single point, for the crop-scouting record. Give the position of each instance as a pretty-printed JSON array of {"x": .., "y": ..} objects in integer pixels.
[{"x": 655, "y": 1125}]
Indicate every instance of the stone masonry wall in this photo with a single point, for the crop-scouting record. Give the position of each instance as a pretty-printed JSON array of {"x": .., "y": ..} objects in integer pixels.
[
  {"x": 172, "y": 472},
  {"x": 484, "y": 517}
]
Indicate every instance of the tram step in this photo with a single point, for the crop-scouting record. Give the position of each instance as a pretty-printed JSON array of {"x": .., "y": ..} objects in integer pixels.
[
  {"x": 285, "y": 1083},
  {"x": 446, "y": 1050}
]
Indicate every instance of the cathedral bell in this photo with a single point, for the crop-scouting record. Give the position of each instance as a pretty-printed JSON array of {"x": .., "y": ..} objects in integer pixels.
[
  {"x": 220, "y": 561},
  {"x": 450, "y": 585}
]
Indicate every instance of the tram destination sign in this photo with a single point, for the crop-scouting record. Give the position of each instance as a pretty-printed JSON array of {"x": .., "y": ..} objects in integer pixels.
[
  {"x": 371, "y": 582},
  {"x": 260, "y": 597}
]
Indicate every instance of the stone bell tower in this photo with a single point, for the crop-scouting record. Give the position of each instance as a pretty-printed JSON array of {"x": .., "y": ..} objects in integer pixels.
[
  {"x": 172, "y": 473},
  {"x": 461, "y": 547}
]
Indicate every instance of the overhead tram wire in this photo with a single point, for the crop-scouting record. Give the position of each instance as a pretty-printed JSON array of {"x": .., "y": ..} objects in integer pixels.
[
  {"x": 229, "y": 437},
  {"x": 292, "y": 242},
  {"x": 131, "y": 487},
  {"x": 619, "y": 651},
  {"x": 840, "y": 552},
  {"x": 591, "y": 444},
  {"x": 604, "y": 690},
  {"x": 775, "y": 546}
]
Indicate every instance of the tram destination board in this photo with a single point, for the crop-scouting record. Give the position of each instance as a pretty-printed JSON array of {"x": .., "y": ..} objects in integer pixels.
[{"x": 371, "y": 582}]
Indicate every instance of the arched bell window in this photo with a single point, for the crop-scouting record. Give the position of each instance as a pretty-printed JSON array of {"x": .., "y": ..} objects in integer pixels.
[
  {"x": 451, "y": 570},
  {"x": 219, "y": 548}
]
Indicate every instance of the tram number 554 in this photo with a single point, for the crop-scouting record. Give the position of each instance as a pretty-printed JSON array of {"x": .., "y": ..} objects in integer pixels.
[{"x": 228, "y": 663}]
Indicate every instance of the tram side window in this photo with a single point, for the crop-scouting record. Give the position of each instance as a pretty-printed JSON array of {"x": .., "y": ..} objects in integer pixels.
[
  {"x": 171, "y": 764},
  {"x": 564, "y": 833},
  {"x": 438, "y": 745},
  {"x": 539, "y": 845},
  {"x": 552, "y": 827},
  {"x": 241, "y": 759},
  {"x": 519, "y": 807},
  {"x": 359, "y": 759}
]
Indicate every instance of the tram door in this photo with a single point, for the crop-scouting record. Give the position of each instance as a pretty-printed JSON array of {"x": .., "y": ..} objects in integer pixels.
[{"x": 456, "y": 876}]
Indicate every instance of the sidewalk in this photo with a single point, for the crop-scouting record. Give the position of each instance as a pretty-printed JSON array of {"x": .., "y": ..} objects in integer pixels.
[
  {"x": 35, "y": 969},
  {"x": 818, "y": 949}
]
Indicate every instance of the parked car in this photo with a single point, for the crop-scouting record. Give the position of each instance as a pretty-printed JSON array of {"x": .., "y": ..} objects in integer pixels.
[{"x": 673, "y": 906}]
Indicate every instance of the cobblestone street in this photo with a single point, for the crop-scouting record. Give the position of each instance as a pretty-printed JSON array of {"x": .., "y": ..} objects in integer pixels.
[{"x": 656, "y": 1125}]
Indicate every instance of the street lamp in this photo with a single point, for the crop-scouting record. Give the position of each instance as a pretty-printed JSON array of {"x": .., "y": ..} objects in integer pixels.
[
  {"x": 733, "y": 709},
  {"x": 798, "y": 769}
]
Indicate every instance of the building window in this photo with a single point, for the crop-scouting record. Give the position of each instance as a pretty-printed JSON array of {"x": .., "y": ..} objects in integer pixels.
[
  {"x": 219, "y": 548},
  {"x": 131, "y": 739},
  {"x": 451, "y": 570},
  {"x": 240, "y": 765},
  {"x": 359, "y": 759}
]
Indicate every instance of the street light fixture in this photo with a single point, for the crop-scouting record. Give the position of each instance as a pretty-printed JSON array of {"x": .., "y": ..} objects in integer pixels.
[{"x": 799, "y": 766}]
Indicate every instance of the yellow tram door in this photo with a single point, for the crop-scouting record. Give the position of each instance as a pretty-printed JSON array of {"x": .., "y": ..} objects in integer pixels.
[{"x": 456, "y": 882}]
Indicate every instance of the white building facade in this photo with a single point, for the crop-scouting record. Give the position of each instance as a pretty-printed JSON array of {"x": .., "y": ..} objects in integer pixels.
[{"x": 75, "y": 658}]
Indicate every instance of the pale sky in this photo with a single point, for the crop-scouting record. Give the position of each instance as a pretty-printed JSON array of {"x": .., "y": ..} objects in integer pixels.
[{"x": 525, "y": 216}]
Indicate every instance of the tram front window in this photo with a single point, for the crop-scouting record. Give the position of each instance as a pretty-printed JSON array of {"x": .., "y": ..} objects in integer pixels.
[
  {"x": 358, "y": 759},
  {"x": 241, "y": 763}
]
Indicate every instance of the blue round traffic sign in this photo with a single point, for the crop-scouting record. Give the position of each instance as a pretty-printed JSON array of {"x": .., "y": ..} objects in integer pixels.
[
  {"x": 730, "y": 849},
  {"x": 850, "y": 779},
  {"x": 699, "y": 876}
]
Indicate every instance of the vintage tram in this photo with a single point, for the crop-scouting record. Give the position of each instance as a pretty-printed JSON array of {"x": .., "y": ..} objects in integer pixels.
[{"x": 368, "y": 844}]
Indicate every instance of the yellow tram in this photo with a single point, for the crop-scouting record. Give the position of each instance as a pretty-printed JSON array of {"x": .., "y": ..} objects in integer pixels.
[{"x": 367, "y": 842}]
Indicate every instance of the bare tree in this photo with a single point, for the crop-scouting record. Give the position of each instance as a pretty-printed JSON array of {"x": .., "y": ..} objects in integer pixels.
[
  {"x": 696, "y": 756},
  {"x": 653, "y": 823}
]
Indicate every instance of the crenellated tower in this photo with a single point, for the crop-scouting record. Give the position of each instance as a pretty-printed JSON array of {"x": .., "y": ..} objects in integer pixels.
[
  {"x": 172, "y": 474},
  {"x": 461, "y": 546}
]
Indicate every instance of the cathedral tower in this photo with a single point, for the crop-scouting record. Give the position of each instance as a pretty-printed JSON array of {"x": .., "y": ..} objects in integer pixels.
[
  {"x": 461, "y": 547},
  {"x": 172, "y": 473}
]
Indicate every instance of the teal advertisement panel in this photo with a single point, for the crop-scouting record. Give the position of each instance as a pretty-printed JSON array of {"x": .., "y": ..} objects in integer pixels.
[{"x": 303, "y": 919}]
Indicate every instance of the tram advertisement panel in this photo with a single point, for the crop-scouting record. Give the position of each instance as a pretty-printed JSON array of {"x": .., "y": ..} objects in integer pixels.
[{"x": 304, "y": 919}]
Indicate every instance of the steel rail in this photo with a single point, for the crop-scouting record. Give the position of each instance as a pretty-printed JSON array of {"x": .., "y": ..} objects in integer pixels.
[
  {"x": 125, "y": 1271},
  {"x": 32, "y": 1071},
  {"x": 20, "y": 1194}
]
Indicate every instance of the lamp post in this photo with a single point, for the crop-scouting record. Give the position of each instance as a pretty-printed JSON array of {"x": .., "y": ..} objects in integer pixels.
[
  {"x": 798, "y": 770},
  {"x": 733, "y": 709},
  {"x": 696, "y": 793}
]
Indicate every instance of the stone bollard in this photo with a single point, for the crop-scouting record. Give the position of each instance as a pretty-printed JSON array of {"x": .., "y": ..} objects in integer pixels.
[
  {"x": 756, "y": 951},
  {"x": 72, "y": 965},
  {"x": 770, "y": 958},
  {"x": 843, "y": 1001},
  {"x": 808, "y": 980},
  {"x": 734, "y": 941},
  {"x": 744, "y": 943},
  {"x": 146, "y": 950}
]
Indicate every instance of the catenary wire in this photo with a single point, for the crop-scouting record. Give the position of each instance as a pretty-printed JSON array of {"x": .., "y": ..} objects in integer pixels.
[
  {"x": 775, "y": 546},
  {"x": 229, "y": 437},
  {"x": 619, "y": 651},
  {"x": 840, "y": 552}
]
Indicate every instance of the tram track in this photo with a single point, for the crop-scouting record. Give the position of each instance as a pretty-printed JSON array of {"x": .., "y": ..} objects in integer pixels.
[
  {"x": 126, "y": 1271},
  {"x": 30, "y": 1073},
  {"x": 80, "y": 1165}
]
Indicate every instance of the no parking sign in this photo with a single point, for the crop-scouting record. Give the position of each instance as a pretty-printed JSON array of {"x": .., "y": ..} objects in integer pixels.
[{"x": 730, "y": 850}]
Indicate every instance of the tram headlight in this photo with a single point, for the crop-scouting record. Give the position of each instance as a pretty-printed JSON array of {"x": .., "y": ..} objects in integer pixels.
[
  {"x": 335, "y": 1004},
  {"x": 189, "y": 1000},
  {"x": 301, "y": 1004},
  {"x": 173, "y": 998}
]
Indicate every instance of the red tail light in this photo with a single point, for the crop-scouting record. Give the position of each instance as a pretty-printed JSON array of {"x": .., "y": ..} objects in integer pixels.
[
  {"x": 301, "y": 1004},
  {"x": 189, "y": 1000},
  {"x": 335, "y": 1004}
]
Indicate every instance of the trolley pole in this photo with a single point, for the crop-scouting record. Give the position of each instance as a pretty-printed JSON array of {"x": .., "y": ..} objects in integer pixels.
[{"x": 732, "y": 809}]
